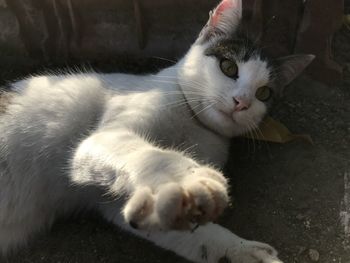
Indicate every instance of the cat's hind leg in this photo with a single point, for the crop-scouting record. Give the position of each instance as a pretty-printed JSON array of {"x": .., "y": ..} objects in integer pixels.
[
  {"x": 212, "y": 243},
  {"x": 209, "y": 243}
]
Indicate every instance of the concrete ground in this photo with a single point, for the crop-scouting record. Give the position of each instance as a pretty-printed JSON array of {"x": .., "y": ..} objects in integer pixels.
[{"x": 292, "y": 196}]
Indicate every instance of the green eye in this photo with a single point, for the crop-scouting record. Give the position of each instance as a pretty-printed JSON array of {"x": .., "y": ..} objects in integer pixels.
[
  {"x": 229, "y": 68},
  {"x": 263, "y": 93}
]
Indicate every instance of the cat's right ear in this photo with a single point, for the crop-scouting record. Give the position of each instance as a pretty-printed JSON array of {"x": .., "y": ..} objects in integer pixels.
[
  {"x": 289, "y": 67},
  {"x": 223, "y": 20}
]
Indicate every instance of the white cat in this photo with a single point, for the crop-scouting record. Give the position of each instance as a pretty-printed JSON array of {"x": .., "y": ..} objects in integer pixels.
[{"x": 143, "y": 150}]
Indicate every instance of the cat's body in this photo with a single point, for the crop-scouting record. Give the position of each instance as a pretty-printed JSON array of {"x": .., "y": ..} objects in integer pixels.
[
  {"x": 135, "y": 148},
  {"x": 60, "y": 124}
]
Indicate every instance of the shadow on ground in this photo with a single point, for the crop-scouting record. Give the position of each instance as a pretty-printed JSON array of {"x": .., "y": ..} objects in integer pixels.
[{"x": 290, "y": 195}]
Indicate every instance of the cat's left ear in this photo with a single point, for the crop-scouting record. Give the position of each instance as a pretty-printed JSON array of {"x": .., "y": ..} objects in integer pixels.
[
  {"x": 223, "y": 20},
  {"x": 289, "y": 67}
]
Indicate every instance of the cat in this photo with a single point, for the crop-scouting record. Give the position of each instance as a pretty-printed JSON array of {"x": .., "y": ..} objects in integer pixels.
[{"x": 145, "y": 151}]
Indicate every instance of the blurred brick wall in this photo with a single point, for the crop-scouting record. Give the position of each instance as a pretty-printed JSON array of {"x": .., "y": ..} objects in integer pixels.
[{"x": 72, "y": 30}]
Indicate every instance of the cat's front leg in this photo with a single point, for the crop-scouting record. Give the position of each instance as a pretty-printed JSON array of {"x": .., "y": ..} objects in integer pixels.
[{"x": 163, "y": 189}]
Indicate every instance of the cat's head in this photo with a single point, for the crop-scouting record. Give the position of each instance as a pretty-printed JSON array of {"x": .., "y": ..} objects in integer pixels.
[{"x": 228, "y": 81}]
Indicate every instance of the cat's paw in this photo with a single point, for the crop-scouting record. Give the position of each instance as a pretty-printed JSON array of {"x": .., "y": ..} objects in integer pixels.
[
  {"x": 249, "y": 252},
  {"x": 196, "y": 198}
]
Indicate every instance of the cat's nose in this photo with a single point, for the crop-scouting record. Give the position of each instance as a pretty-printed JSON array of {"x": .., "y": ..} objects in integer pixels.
[{"x": 241, "y": 104}]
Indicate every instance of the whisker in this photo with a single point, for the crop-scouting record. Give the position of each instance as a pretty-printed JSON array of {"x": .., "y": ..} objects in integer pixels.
[
  {"x": 205, "y": 108},
  {"x": 185, "y": 101},
  {"x": 165, "y": 59}
]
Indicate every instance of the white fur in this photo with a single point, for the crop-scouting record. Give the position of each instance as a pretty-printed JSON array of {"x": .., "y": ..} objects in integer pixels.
[
  {"x": 220, "y": 90},
  {"x": 67, "y": 141}
]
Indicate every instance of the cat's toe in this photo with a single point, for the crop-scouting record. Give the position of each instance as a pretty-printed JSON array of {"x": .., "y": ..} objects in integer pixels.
[
  {"x": 207, "y": 200},
  {"x": 171, "y": 202},
  {"x": 207, "y": 195},
  {"x": 139, "y": 207},
  {"x": 199, "y": 198},
  {"x": 162, "y": 209}
]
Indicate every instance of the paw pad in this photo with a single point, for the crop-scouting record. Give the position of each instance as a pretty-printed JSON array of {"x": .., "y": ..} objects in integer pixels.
[{"x": 199, "y": 197}]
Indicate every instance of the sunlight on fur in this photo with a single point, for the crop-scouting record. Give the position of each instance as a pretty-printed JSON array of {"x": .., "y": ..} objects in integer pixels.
[{"x": 144, "y": 151}]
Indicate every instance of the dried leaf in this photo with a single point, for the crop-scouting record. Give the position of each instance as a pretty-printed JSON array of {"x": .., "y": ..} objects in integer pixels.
[
  {"x": 346, "y": 20},
  {"x": 273, "y": 131}
]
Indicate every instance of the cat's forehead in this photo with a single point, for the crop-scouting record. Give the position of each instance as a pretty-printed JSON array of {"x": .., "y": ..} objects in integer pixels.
[{"x": 236, "y": 48}]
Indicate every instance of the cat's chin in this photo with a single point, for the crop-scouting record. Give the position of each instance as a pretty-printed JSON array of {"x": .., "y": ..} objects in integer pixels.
[
  {"x": 237, "y": 128},
  {"x": 222, "y": 123},
  {"x": 232, "y": 124}
]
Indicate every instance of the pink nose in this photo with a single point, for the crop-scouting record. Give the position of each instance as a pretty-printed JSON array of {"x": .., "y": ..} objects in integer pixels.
[{"x": 241, "y": 104}]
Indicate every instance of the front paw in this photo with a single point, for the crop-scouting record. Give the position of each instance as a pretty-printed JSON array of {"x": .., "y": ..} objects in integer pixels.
[{"x": 196, "y": 198}]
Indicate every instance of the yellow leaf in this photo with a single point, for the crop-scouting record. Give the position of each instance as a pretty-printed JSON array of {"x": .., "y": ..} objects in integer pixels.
[
  {"x": 273, "y": 131},
  {"x": 346, "y": 20}
]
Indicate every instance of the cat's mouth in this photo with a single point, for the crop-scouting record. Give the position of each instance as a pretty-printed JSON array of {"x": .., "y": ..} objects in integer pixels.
[
  {"x": 236, "y": 118},
  {"x": 226, "y": 115}
]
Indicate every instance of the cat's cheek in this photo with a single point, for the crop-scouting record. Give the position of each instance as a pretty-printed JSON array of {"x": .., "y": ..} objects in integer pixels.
[
  {"x": 260, "y": 112},
  {"x": 222, "y": 123}
]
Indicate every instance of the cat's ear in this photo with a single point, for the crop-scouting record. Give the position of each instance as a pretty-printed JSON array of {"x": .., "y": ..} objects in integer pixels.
[
  {"x": 289, "y": 67},
  {"x": 223, "y": 20}
]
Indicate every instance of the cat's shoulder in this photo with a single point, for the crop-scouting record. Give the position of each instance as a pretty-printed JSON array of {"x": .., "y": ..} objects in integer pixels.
[{"x": 49, "y": 81}]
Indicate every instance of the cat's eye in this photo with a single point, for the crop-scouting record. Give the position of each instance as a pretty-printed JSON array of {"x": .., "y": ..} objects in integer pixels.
[
  {"x": 263, "y": 93},
  {"x": 229, "y": 68}
]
